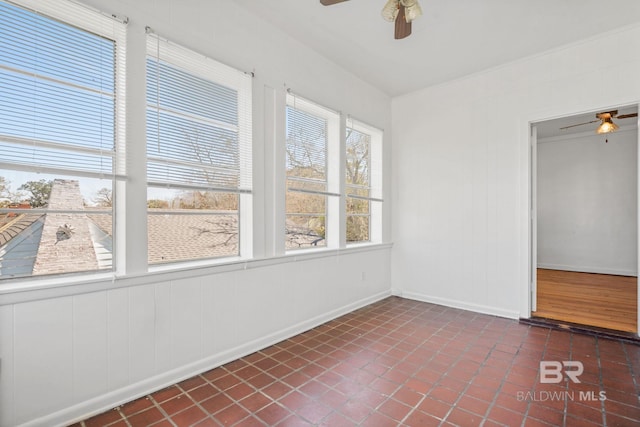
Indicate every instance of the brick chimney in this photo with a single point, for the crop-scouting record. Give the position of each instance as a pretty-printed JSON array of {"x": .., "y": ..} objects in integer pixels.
[{"x": 66, "y": 244}]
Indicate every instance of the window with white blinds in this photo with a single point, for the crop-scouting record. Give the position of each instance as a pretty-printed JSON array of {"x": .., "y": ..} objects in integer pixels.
[
  {"x": 198, "y": 153},
  {"x": 61, "y": 135},
  {"x": 311, "y": 138},
  {"x": 363, "y": 182},
  {"x": 59, "y": 89}
]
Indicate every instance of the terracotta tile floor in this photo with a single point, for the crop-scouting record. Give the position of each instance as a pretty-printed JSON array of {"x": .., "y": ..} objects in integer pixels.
[{"x": 405, "y": 363}]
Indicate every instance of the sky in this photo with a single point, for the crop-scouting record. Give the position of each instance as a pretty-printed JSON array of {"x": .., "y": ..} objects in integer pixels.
[
  {"x": 57, "y": 101},
  {"x": 57, "y": 110}
]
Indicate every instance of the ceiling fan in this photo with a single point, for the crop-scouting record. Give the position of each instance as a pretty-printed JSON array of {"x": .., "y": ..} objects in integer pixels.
[
  {"x": 402, "y": 12},
  {"x": 606, "y": 121}
]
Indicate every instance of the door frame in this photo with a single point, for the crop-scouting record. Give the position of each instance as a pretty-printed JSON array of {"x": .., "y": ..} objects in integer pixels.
[
  {"x": 533, "y": 227},
  {"x": 533, "y": 214}
]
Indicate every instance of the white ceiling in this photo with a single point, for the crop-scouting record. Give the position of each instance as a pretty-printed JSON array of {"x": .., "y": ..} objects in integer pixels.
[{"x": 454, "y": 37}]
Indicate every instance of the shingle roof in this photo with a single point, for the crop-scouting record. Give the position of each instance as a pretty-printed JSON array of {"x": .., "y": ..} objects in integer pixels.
[
  {"x": 11, "y": 225},
  {"x": 174, "y": 235},
  {"x": 184, "y": 234},
  {"x": 19, "y": 239}
]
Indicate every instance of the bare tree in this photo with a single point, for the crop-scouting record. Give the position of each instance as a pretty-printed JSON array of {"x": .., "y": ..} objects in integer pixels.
[
  {"x": 225, "y": 227},
  {"x": 306, "y": 170},
  {"x": 5, "y": 193},
  {"x": 305, "y": 153},
  {"x": 358, "y": 179},
  {"x": 357, "y": 164},
  {"x": 103, "y": 198},
  {"x": 220, "y": 160}
]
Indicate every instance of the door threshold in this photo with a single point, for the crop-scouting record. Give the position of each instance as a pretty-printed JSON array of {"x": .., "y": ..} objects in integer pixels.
[{"x": 582, "y": 329}]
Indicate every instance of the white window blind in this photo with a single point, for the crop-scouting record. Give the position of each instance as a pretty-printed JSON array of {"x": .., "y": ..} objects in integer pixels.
[
  {"x": 198, "y": 121},
  {"x": 307, "y": 146},
  {"x": 62, "y": 124},
  {"x": 61, "y": 89}
]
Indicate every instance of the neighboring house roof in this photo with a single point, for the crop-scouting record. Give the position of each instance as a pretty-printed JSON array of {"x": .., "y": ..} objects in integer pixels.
[
  {"x": 11, "y": 225},
  {"x": 66, "y": 244},
  {"x": 19, "y": 240},
  {"x": 35, "y": 244},
  {"x": 301, "y": 236},
  {"x": 190, "y": 236},
  {"x": 183, "y": 234},
  {"x": 58, "y": 242}
]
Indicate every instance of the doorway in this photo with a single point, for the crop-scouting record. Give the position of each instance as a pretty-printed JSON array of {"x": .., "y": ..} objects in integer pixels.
[{"x": 585, "y": 221}]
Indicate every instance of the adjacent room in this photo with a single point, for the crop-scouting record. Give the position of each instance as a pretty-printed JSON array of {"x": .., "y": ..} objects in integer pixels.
[
  {"x": 319, "y": 213},
  {"x": 586, "y": 204}
]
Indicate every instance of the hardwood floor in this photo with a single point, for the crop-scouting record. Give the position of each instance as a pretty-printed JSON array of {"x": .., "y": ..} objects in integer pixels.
[{"x": 601, "y": 300}]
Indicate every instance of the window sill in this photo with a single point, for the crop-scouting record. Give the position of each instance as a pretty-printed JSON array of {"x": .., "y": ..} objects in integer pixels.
[{"x": 55, "y": 287}]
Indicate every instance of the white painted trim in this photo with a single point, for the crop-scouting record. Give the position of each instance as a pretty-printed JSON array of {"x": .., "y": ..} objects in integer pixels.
[
  {"x": 585, "y": 269},
  {"x": 107, "y": 401},
  {"x": 476, "y": 308},
  {"x": 532, "y": 295},
  {"x": 526, "y": 312},
  {"x": 638, "y": 230},
  {"x": 46, "y": 288}
]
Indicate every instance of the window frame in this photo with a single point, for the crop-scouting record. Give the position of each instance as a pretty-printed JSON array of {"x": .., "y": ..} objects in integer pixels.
[
  {"x": 124, "y": 254},
  {"x": 200, "y": 66},
  {"x": 332, "y": 180},
  {"x": 375, "y": 197},
  {"x": 112, "y": 28}
]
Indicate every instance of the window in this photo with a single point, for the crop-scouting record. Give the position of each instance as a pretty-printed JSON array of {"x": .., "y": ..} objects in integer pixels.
[
  {"x": 198, "y": 155},
  {"x": 61, "y": 143},
  {"x": 363, "y": 182},
  {"x": 312, "y": 136}
]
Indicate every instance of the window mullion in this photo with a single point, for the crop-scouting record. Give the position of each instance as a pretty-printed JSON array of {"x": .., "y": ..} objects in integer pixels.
[
  {"x": 341, "y": 170},
  {"x": 131, "y": 196}
]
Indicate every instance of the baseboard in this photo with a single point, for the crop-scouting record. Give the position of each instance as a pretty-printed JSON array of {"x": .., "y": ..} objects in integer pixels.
[
  {"x": 396, "y": 292},
  {"x": 595, "y": 270},
  {"x": 118, "y": 397},
  {"x": 463, "y": 305}
]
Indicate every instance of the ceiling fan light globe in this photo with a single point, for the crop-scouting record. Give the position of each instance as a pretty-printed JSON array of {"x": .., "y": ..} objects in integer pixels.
[
  {"x": 390, "y": 10},
  {"x": 607, "y": 126},
  {"x": 413, "y": 9}
]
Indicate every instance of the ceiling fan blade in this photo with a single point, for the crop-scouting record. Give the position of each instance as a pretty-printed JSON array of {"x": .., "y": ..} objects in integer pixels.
[
  {"x": 579, "y": 124},
  {"x": 330, "y": 2},
  {"x": 403, "y": 28},
  {"x": 626, "y": 116}
]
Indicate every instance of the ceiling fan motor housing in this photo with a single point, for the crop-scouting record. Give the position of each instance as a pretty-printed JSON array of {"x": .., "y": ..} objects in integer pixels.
[{"x": 402, "y": 12}]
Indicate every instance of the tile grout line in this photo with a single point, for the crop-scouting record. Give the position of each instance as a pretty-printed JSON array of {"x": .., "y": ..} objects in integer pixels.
[
  {"x": 492, "y": 404},
  {"x": 461, "y": 394},
  {"x": 379, "y": 337},
  {"x": 161, "y": 409},
  {"x": 603, "y": 409}
]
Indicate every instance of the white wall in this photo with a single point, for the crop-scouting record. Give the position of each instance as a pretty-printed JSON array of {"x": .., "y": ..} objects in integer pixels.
[
  {"x": 66, "y": 357},
  {"x": 70, "y": 350},
  {"x": 461, "y": 169},
  {"x": 587, "y": 202}
]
